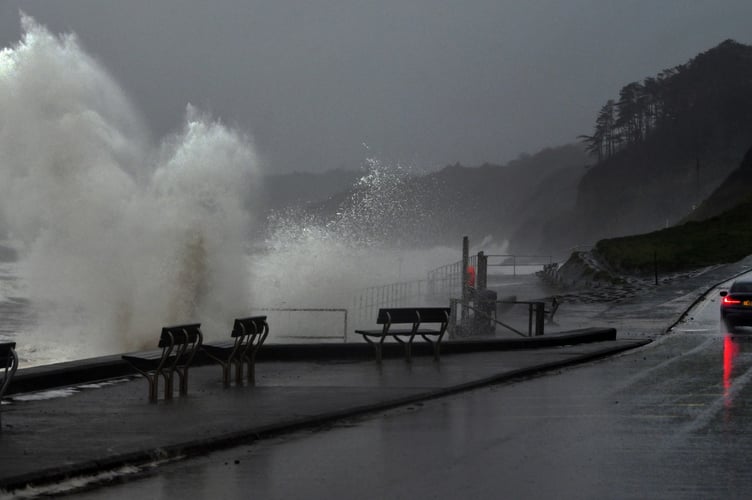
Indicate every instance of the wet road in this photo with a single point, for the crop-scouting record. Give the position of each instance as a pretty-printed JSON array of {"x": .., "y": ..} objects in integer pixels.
[{"x": 671, "y": 420}]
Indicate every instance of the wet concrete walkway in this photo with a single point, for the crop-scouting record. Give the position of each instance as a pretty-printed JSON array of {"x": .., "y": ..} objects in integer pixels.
[{"x": 80, "y": 430}]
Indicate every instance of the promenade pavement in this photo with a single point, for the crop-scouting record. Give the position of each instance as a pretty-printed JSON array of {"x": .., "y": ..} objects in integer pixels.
[{"x": 91, "y": 428}]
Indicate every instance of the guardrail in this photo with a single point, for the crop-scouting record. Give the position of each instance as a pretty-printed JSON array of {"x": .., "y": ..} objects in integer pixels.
[
  {"x": 518, "y": 261},
  {"x": 442, "y": 283},
  {"x": 367, "y": 301},
  {"x": 448, "y": 278},
  {"x": 535, "y": 326},
  {"x": 277, "y": 325}
]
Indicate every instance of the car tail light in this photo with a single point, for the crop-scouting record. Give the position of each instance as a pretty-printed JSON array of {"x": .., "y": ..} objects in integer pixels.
[{"x": 729, "y": 300}]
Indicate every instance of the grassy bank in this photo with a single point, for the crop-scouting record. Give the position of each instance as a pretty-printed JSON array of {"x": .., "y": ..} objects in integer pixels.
[{"x": 722, "y": 239}]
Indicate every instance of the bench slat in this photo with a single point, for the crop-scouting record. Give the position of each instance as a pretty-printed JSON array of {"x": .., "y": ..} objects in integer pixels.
[
  {"x": 6, "y": 348},
  {"x": 179, "y": 334},
  {"x": 252, "y": 324},
  {"x": 408, "y": 315}
]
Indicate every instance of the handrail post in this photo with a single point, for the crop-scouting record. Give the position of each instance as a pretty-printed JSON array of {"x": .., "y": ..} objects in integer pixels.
[
  {"x": 530, "y": 319},
  {"x": 539, "y": 316},
  {"x": 344, "y": 337},
  {"x": 481, "y": 281},
  {"x": 465, "y": 277}
]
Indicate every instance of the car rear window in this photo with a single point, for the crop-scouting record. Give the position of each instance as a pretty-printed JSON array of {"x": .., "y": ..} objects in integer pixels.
[{"x": 741, "y": 287}]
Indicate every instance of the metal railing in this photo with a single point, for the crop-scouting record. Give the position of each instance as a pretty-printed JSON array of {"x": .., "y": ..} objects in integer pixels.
[
  {"x": 366, "y": 302},
  {"x": 448, "y": 278},
  {"x": 535, "y": 325},
  {"x": 536, "y": 313},
  {"x": 311, "y": 325},
  {"x": 517, "y": 261},
  {"x": 442, "y": 283}
]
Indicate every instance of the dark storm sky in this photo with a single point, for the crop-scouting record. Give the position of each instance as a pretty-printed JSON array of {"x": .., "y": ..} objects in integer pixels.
[{"x": 424, "y": 82}]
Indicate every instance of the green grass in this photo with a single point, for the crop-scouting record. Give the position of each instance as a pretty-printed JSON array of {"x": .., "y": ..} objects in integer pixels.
[{"x": 718, "y": 240}]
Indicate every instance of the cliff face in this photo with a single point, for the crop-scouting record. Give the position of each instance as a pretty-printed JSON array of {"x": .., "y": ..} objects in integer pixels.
[
  {"x": 665, "y": 145},
  {"x": 509, "y": 202},
  {"x": 735, "y": 190},
  {"x": 640, "y": 193}
]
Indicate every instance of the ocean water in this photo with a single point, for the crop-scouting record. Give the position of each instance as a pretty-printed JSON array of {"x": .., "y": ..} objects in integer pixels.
[{"x": 15, "y": 309}]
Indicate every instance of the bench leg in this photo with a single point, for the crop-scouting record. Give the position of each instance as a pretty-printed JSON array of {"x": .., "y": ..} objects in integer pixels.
[
  {"x": 239, "y": 371},
  {"x": 152, "y": 378},
  {"x": 8, "y": 371},
  {"x": 408, "y": 347},
  {"x": 153, "y": 387},
  {"x": 168, "y": 384},
  {"x": 226, "y": 374},
  {"x": 183, "y": 381},
  {"x": 436, "y": 344},
  {"x": 252, "y": 366},
  {"x": 436, "y": 350},
  {"x": 376, "y": 347}
]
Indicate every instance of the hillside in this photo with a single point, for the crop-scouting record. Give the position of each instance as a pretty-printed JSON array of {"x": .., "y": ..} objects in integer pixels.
[
  {"x": 485, "y": 202},
  {"x": 280, "y": 191},
  {"x": 718, "y": 240},
  {"x": 723, "y": 238},
  {"x": 665, "y": 145},
  {"x": 735, "y": 190}
]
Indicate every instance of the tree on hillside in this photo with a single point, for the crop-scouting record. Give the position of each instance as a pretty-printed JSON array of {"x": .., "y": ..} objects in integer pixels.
[
  {"x": 631, "y": 112},
  {"x": 604, "y": 140},
  {"x": 708, "y": 99}
]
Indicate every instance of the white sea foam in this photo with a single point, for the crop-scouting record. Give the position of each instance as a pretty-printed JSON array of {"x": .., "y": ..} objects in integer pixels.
[
  {"x": 319, "y": 263},
  {"x": 117, "y": 237},
  {"x": 327, "y": 263}
]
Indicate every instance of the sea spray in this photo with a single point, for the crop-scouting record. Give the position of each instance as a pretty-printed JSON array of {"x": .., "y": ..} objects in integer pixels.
[
  {"x": 327, "y": 261},
  {"x": 116, "y": 237}
]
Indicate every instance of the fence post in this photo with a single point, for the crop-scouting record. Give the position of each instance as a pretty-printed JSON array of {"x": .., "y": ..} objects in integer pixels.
[
  {"x": 540, "y": 311},
  {"x": 530, "y": 319},
  {"x": 482, "y": 272},
  {"x": 465, "y": 290},
  {"x": 452, "y": 318},
  {"x": 344, "y": 340}
]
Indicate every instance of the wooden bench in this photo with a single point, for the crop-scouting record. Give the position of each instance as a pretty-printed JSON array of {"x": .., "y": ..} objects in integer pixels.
[
  {"x": 414, "y": 316},
  {"x": 8, "y": 366},
  {"x": 248, "y": 334},
  {"x": 178, "y": 345}
]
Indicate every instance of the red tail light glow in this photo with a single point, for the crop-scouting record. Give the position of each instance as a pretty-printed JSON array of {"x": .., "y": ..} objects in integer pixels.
[{"x": 728, "y": 300}]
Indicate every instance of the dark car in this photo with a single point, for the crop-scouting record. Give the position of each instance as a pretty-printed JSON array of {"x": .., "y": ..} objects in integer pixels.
[{"x": 736, "y": 304}]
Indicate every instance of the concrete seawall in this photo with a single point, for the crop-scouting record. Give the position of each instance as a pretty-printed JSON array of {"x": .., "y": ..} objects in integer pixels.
[{"x": 107, "y": 367}]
